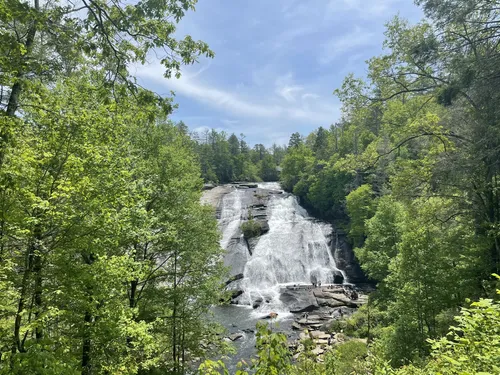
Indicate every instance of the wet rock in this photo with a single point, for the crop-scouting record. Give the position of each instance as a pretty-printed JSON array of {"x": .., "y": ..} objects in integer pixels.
[
  {"x": 256, "y": 304},
  {"x": 236, "y": 294},
  {"x": 338, "y": 278},
  {"x": 272, "y": 315},
  {"x": 346, "y": 259},
  {"x": 235, "y": 336},
  {"x": 296, "y": 326},
  {"x": 264, "y": 226},
  {"x": 248, "y": 330}
]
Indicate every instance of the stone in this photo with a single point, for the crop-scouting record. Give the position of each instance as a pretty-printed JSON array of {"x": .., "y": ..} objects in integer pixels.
[
  {"x": 329, "y": 302},
  {"x": 256, "y": 304},
  {"x": 303, "y": 336},
  {"x": 317, "y": 351},
  {"x": 312, "y": 322},
  {"x": 235, "y": 336},
  {"x": 296, "y": 326},
  {"x": 319, "y": 335},
  {"x": 264, "y": 226},
  {"x": 298, "y": 301},
  {"x": 321, "y": 341},
  {"x": 236, "y": 294},
  {"x": 248, "y": 330}
]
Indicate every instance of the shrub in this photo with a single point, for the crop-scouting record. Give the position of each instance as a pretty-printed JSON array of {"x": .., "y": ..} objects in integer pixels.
[{"x": 251, "y": 228}]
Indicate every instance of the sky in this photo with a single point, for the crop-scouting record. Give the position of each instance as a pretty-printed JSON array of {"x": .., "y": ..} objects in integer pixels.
[{"x": 276, "y": 65}]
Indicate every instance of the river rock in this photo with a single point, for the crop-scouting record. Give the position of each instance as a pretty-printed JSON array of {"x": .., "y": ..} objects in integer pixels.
[
  {"x": 319, "y": 335},
  {"x": 299, "y": 300},
  {"x": 296, "y": 326},
  {"x": 329, "y": 302},
  {"x": 317, "y": 351},
  {"x": 235, "y": 336},
  {"x": 256, "y": 304}
]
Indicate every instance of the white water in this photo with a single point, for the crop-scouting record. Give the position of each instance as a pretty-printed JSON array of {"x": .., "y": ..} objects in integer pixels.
[{"x": 294, "y": 250}]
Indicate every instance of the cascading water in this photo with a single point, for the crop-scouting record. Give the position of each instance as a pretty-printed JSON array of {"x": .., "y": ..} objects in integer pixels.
[{"x": 294, "y": 251}]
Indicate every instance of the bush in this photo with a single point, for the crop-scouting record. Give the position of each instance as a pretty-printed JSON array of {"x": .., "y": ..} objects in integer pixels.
[
  {"x": 251, "y": 228},
  {"x": 347, "y": 358}
]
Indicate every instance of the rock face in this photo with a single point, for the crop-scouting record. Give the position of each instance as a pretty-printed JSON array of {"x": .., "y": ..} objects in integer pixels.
[{"x": 346, "y": 259}]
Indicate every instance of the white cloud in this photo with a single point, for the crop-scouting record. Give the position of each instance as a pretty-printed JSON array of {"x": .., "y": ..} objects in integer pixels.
[
  {"x": 288, "y": 92},
  {"x": 366, "y": 9},
  {"x": 232, "y": 103},
  {"x": 339, "y": 45},
  {"x": 309, "y": 95},
  {"x": 230, "y": 122}
]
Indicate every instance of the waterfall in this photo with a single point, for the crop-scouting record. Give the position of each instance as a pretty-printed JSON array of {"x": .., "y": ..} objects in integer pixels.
[{"x": 294, "y": 251}]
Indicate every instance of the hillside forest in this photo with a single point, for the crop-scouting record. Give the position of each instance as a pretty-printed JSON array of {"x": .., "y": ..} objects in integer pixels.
[{"x": 109, "y": 263}]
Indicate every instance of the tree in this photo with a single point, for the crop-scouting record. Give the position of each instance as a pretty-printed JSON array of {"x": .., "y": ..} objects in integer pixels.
[{"x": 295, "y": 140}]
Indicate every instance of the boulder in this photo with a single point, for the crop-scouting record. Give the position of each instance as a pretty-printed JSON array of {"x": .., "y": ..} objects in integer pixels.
[
  {"x": 319, "y": 335},
  {"x": 298, "y": 301},
  {"x": 235, "y": 336},
  {"x": 256, "y": 304},
  {"x": 236, "y": 294},
  {"x": 317, "y": 351},
  {"x": 329, "y": 302}
]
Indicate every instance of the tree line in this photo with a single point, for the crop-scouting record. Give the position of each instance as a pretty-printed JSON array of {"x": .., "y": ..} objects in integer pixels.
[{"x": 226, "y": 158}]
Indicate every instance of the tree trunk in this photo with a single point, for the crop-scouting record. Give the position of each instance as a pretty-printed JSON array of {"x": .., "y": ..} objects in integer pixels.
[{"x": 86, "y": 345}]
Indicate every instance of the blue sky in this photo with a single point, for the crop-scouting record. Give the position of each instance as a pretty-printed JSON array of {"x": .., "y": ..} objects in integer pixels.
[{"x": 277, "y": 63}]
